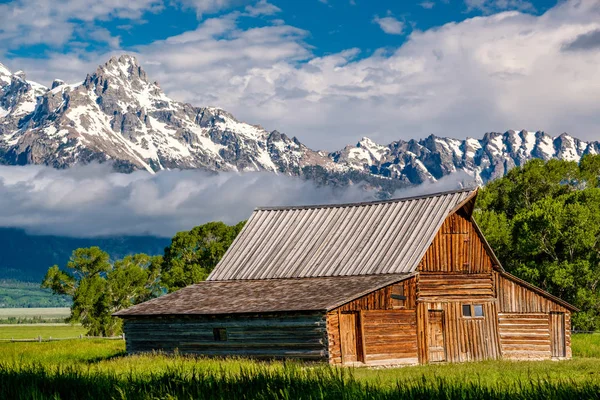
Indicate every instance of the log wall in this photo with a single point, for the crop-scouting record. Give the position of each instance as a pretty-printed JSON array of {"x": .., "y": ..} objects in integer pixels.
[
  {"x": 274, "y": 336},
  {"x": 435, "y": 286},
  {"x": 524, "y": 335},
  {"x": 519, "y": 305},
  {"x": 390, "y": 336},
  {"x": 388, "y": 331}
]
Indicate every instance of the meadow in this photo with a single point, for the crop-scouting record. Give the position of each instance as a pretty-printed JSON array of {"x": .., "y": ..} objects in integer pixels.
[
  {"x": 44, "y": 331},
  {"x": 35, "y": 315},
  {"x": 100, "y": 369}
]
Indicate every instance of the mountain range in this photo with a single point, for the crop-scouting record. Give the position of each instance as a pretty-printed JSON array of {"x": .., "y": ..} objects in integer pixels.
[{"x": 118, "y": 114}]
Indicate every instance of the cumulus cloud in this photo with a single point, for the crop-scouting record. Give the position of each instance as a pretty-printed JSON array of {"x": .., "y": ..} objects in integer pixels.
[
  {"x": 262, "y": 8},
  {"x": 27, "y": 22},
  {"x": 494, "y": 72},
  {"x": 209, "y": 6},
  {"x": 389, "y": 24},
  {"x": 585, "y": 41},
  {"x": 91, "y": 200},
  {"x": 491, "y": 6}
]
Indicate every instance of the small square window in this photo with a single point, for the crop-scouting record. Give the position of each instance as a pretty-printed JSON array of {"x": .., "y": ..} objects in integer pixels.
[
  {"x": 466, "y": 309},
  {"x": 220, "y": 334},
  {"x": 478, "y": 310}
]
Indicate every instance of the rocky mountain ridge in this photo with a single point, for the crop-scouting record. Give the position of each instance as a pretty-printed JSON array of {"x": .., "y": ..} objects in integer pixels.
[{"x": 117, "y": 114}]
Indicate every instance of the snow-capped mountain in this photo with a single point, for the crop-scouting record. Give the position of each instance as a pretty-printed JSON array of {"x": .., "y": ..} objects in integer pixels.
[{"x": 117, "y": 114}]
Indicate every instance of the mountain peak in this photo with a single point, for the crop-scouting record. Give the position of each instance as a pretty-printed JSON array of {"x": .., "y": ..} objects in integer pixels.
[
  {"x": 123, "y": 66},
  {"x": 117, "y": 115},
  {"x": 4, "y": 70},
  {"x": 5, "y": 75}
]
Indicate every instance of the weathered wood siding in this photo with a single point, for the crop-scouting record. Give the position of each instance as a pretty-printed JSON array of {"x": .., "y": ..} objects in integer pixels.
[
  {"x": 387, "y": 331},
  {"x": 515, "y": 298},
  {"x": 286, "y": 335},
  {"x": 517, "y": 307},
  {"x": 390, "y": 335},
  {"x": 466, "y": 338},
  {"x": 455, "y": 271},
  {"x": 457, "y": 248},
  {"x": 524, "y": 335},
  {"x": 382, "y": 299},
  {"x": 434, "y": 287}
]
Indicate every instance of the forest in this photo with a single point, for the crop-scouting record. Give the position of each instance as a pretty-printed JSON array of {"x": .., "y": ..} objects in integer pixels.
[
  {"x": 541, "y": 219},
  {"x": 543, "y": 222}
]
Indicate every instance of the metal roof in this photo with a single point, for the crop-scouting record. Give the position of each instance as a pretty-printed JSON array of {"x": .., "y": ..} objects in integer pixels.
[
  {"x": 382, "y": 237},
  {"x": 260, "y": 296}
]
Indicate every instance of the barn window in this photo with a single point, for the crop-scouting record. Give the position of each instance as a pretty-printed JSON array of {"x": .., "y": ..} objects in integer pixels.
[
  {"x": 466, "y": 310},
  {"x": 478, "y": 310},
  {"x": 472, "y": 310},
  {"x": 398, "y": 297},
  {"x": 220, "y": 334}
]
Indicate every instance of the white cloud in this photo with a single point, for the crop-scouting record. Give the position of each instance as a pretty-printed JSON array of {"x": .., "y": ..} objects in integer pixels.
[
  {"x": 490, "y": 6},
  {"x": 91, "y": 201},
  {"x": 389, "y": 25},
  {"x": 27, "y": 22},
  {"x": 427, "y": 4},
  {"x": 210, "y": 6},
  {"x": 262, "y": 8},
  {"x": 462, "y": 79}
]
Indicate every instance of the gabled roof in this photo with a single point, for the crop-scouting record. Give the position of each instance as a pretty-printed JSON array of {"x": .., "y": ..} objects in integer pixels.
[
  {"x": 382, "y": 237},
  {"x": 262, "y": 296}
]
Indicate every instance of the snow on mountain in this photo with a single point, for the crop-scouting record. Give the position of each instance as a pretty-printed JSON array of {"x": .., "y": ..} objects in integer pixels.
[{"x": 117, "y": 114}]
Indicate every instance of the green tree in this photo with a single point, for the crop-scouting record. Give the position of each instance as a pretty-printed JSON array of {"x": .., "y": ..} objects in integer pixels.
[
  {"x": 192, "y": 255},
  {"x": 543, "y": 220},
  {"x": 99, "y": 288}
]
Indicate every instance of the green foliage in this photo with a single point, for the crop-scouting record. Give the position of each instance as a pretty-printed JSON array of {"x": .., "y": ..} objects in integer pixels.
[
  {"x": 94, "y": 369},
  {"x": 543, "y": 220},
  {"x": 15, "y": 294},
  {"x": 99, "y": 288},
  {"x": 192, "y": 255}
]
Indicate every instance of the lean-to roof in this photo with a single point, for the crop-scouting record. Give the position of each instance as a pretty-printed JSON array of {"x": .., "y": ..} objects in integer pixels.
[
  {"x": 262, "y": 296},
  {"x": 383, "y": 237}
]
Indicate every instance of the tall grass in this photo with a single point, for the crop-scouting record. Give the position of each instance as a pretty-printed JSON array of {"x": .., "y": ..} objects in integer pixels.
[
  {"x": 261, "y": 382},
  {"x": 101, "y": 370},
  {"x": 586, "y": 345}
]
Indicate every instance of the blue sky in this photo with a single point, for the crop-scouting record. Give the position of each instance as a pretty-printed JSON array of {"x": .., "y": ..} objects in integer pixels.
[
  {"x": 332, "y": 71},
  {"x": 333, "y": 25}
]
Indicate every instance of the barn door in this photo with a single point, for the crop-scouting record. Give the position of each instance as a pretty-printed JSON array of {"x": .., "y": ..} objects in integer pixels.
[
  {"x": 350, "y": 338},
  {"x": 437, "y": 343},
  {"x": 557, "y": 334}
]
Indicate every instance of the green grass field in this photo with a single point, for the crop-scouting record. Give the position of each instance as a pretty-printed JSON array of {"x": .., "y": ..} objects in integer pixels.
[
  {"x": 45, "y": 331},
  {"x": 34, "y": 315},
  {"x": 99, "y": 369}
]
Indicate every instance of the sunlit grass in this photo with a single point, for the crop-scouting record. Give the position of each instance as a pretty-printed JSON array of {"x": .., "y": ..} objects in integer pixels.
[
  {"x": 46, "y": 331},
  {"x": 99, "y": 369}
]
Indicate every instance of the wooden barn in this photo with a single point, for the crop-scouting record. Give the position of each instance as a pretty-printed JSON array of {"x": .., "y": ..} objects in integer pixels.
[{"x": 402, "y": 281}]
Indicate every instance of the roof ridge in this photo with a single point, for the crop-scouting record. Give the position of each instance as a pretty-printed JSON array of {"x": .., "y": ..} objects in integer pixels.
[{"x": 364, "y": 203}]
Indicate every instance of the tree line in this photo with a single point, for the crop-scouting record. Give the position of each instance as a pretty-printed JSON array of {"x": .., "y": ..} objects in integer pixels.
[
  {"x": 99, "y": 286},
  {"x": 543, "y": 222},
  {"x": 541, "y": 219}
]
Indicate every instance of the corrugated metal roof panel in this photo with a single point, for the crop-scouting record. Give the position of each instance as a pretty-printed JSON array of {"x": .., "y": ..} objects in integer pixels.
[{"x": 384, "y": 237}]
